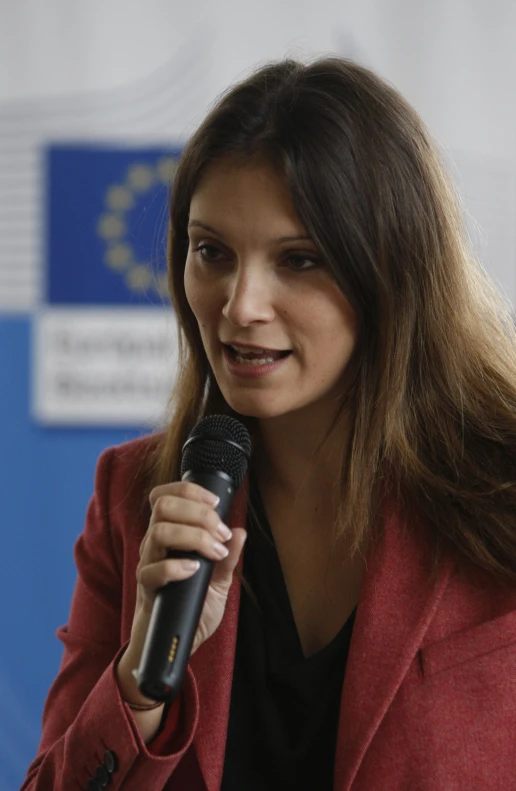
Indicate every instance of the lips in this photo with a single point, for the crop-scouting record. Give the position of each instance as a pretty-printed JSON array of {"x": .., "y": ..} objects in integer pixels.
[
  {"x": 242, "y": 352},
  {"x": 257, "y": 364}
]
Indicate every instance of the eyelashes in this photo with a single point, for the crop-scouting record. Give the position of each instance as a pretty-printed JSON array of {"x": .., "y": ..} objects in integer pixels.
[
  {"x": 296, "y": 261},
  {"x": 203, "y": 250}
]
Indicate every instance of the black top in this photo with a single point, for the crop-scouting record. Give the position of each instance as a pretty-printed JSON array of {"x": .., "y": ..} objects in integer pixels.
[{"x": 284, "y": 707}]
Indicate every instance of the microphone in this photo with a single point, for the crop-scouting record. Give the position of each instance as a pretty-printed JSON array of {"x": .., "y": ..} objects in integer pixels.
[{"x": 215, "y": 456}]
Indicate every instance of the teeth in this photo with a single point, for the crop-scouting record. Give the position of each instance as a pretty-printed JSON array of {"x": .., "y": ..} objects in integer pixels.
[{"x": 259, "y": 361}]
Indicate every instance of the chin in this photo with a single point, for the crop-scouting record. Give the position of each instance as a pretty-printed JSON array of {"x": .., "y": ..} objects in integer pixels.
[{"x": 255, "y": 408}]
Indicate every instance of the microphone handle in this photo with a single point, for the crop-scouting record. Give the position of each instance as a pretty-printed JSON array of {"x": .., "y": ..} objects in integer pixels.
[{"x": 177, "y": 608}]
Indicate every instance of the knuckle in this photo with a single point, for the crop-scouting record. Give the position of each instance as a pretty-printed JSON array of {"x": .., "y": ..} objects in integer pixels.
[
  {"x": 141, "y": 575},
  {"x": 153, "y": 495},
  {"x": 158, "y": 533},
  {"x": 160, "y": 506},
  {"x": 189, "y": 490},
  {"x": 182, "y": 489},
  {"x": 160, "y": 491}
]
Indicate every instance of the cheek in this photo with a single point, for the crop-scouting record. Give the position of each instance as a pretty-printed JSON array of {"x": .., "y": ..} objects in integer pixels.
[
  {"x": 330, "y": 324},
  {"x": 190, "y": 286},
  {"x": 203, "y": 301},
  {"x": 330, "y": 344},
  {"x": 342, "y": 322},
  {"x": 196, "y": 295}
]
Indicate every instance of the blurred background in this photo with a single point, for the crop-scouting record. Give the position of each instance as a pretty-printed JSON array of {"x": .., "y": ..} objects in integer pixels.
[{"x": 96, "y": 101}]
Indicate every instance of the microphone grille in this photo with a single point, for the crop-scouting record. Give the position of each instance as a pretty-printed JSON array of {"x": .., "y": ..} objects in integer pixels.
[{"x": 218, "y": 442}]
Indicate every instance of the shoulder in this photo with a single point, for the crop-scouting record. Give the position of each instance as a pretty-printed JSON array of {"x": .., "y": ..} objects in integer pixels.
[
  {"x": 130, "y": 461},
  {"x": 123, "y": 480}
]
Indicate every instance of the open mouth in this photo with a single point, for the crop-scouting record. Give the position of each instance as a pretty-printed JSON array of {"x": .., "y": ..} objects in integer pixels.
[{"x": 246, "y": 356}]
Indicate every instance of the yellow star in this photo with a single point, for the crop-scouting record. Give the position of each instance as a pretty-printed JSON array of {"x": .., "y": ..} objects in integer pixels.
[
  {"x": 110, "y": 226},
  {"x": 119, "y": 256},
  {"x": 166, "y": 169},
  {"x": 119, "y": 198},
  {"x": 139, "y": 278},
  {"x": 140, "y": 177}
]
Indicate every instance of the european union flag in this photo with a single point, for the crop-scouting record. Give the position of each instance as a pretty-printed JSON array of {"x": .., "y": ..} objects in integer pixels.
[{"x": 107, "y": 224}]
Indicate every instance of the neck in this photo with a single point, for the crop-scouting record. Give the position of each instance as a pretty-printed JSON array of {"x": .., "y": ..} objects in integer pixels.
[{"x": 290, "y": 457}]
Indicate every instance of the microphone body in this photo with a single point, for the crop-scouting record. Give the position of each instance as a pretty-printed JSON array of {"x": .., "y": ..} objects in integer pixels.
[{"x": 178, "y": 605}]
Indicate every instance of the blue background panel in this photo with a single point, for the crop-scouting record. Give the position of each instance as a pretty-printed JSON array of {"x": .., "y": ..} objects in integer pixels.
[
  {"x": 78, "y": 180},
  {"x": 46, "y": 480}
]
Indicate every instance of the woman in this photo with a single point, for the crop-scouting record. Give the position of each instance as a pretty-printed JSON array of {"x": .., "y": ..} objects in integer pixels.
[{"x": 327, "y": 299}]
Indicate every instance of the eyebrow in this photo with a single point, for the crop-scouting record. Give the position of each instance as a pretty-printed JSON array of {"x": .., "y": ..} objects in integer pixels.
[{"x": 280, "y": 240}]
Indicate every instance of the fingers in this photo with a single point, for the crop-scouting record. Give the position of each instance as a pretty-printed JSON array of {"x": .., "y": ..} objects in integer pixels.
[
  {"x": 184, "y": 520},
  {"x": 181, "y": 504},
  {"x": 181, "y": 524},
  {"x": 168, "y": 536},
  {"x": 185, "y": 489},
  {"x": 223, "y": 570},
  {"x": 155, "y": 575},
  {"x": 174, "y": 508}
]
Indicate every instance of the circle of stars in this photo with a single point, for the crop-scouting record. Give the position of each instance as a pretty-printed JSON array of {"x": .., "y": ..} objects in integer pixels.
[{"x": 112, "y": 226}]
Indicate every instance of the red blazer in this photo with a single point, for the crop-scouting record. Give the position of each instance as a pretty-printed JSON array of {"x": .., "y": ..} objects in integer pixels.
[{"x": 429, "y": 697}]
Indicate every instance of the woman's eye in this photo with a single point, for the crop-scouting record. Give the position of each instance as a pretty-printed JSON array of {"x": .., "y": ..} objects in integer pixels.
[
  {"x": 208, "y": 252},
  {"x": 301, "y": 263}
]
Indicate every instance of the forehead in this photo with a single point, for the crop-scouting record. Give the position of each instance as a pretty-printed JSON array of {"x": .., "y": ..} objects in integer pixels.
[{"x": 231, "y": 192}]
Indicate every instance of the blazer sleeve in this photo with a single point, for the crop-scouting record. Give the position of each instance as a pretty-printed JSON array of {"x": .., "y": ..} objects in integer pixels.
[{"x": 87, "y": 728}]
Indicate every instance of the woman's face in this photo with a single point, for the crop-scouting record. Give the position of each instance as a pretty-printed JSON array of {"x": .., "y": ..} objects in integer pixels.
[{"x": 277, "y": 331}]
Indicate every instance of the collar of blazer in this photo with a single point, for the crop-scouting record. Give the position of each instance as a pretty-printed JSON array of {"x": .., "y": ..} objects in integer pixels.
[{"x": 397, "y": 602}]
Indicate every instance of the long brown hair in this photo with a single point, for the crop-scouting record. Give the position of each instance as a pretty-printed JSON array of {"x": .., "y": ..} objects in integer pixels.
[{"x": 432, "y": 390}]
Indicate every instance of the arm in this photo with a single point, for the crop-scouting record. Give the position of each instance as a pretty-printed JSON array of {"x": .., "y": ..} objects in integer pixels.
[{"x": 85, "y": 716}]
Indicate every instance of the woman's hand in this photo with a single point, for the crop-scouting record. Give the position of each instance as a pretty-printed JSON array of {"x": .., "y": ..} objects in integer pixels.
[{"x": 183, "y": 518}]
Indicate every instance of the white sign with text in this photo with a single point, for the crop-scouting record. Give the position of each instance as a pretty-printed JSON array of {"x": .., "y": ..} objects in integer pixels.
[{"x": 103, "y": 366}]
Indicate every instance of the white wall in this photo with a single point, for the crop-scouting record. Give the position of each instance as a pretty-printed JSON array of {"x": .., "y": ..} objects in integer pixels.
[{"x": 148, "y": 70}]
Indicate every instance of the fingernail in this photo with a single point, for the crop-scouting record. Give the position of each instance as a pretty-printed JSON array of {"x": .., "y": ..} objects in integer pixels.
[
  {"x": 220, "y": 550},
  {"x": 223, "y": 532},
  {"x": 210, "y": 498},
  {"x": 190, "y": 565}
]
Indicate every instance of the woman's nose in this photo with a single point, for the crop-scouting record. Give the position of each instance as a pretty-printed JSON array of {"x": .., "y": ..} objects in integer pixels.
[{"x": 249, "y": 298}]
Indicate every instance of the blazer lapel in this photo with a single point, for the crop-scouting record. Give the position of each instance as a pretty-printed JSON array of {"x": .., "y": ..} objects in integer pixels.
[
  {"x": 212, "y": 665},
  {"x": 397, "y": 602}
]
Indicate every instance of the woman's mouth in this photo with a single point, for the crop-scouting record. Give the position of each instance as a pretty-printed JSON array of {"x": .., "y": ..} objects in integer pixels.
[
  {"x": 244, "y": 355},
  {"x": 253, "y": 361}
]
